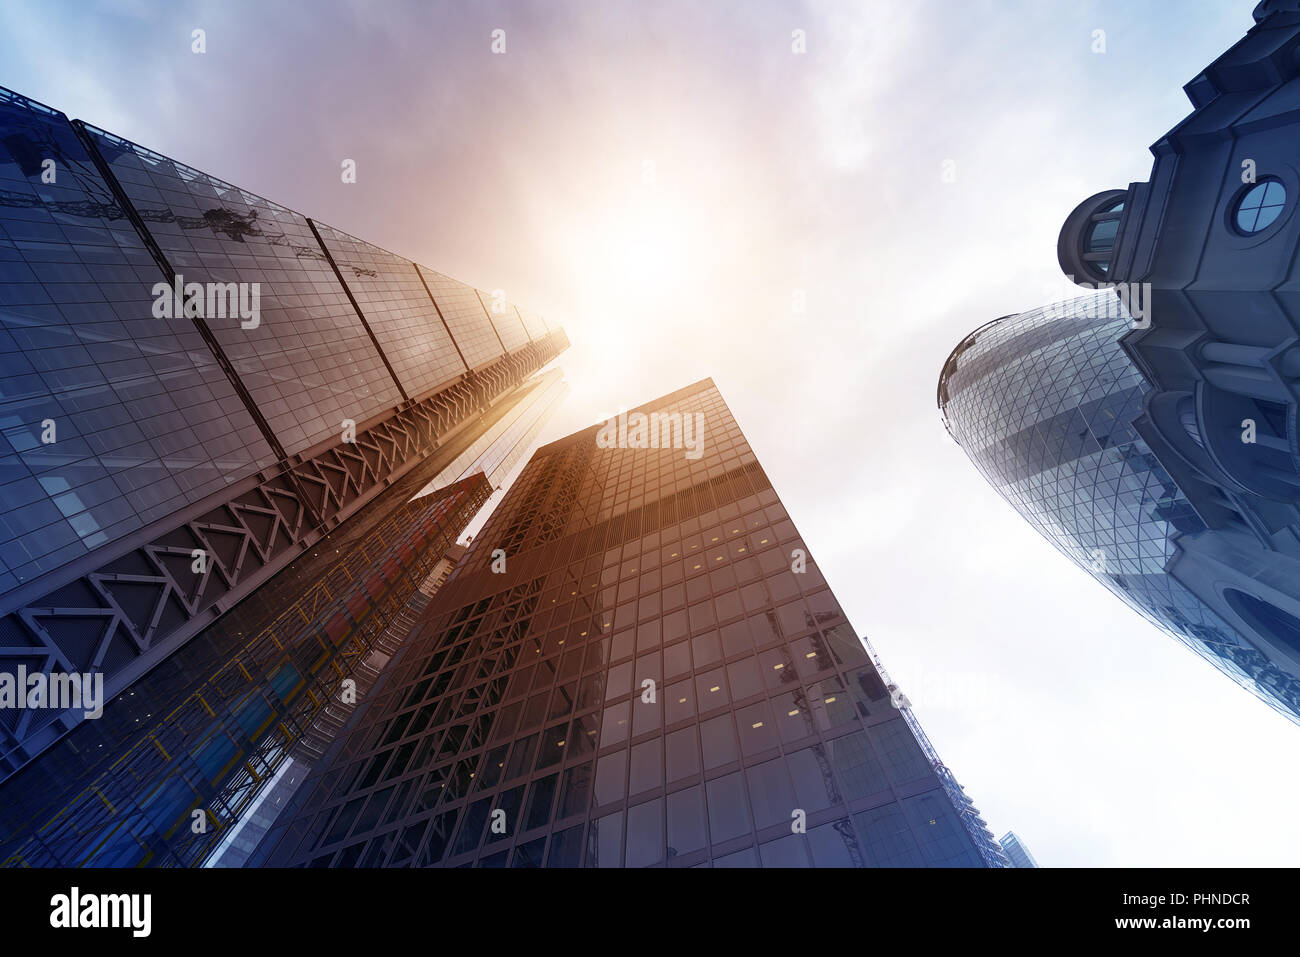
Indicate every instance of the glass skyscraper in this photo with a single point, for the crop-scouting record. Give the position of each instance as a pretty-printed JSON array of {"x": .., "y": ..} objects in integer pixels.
[
  {"x": 307, "y": 442},
  {"x": 1016, "y": 851},
  {"x": 1044, "y": 404},
  {"x": 637, "y": 664},
  {"x": 1204, "y": 251},
  {"x": 253, "y": 824}
]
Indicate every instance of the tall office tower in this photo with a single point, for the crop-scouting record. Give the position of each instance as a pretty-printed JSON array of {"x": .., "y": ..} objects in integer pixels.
[
  {"x": 505, "y": 443},
  {"x": 1045, "y": 404},
  {"x": 636, "y": 664},
  {"x": 495, "y": 456},
  {"x": 1016, "y": 851},
  {"x": 215, "y": 409}
]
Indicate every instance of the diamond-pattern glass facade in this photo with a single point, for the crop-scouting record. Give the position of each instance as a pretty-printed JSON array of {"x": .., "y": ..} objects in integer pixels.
[
  {"x": 1043, "y": 402},
  {"x": 649, "y": 681}
]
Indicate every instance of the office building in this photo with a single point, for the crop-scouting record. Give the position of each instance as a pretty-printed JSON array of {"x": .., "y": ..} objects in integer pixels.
[
  {"x": 1152, "y": 437},
  {"x": 1016, "y": 851},
  {"x": 1205, "y": 254},
  {"x": 213, "y": 408},
  {"x": 242, "y": 838},
  {"x": 1045, "y": 403},
  {"x": 638, "y": 663}
]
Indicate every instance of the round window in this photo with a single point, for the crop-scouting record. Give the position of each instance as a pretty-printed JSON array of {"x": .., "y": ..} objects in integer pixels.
[{"x": 1260, "y": 206}]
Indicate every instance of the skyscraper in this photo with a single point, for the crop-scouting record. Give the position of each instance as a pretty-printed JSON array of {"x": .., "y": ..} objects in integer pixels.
[
  {"x": 253, "y": 824},
  {"x": 215, "y": 410},
  {"x": 1044, "y": 403},
  {"x": 1205, "y": 253},
  {"x": 1016, "y": 851},
  {"x": 638, "y": 663},
  {"x": 494, "y": 455},
  {"x": 1150, "y": 431}
]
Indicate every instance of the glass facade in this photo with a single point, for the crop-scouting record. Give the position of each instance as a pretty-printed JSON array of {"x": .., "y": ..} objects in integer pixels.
[
  {"x": 533, "y": 323},
  {"x": 200, "y": 734},
  {"x": 1016, "y": 851},
  {"x": 507, "y": 322},
  {"x": 1043, "y": 403},
  {"x": 658, "y": 675},
  {"x": 132, "y": 752},
  {"x": 500, "y": 448},
  {"x": 388, "y": 292},
  {"x": 135, "y": 437},
  {"x": 144, "y": 420},
  {"x": 309, "y": 363},
  {"x": 462, "y": 309},
  {"x": 171, "y": 480}
]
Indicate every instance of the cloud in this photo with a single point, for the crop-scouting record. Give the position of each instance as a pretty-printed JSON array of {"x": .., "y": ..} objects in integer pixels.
[{"x": 775, "y": 173}]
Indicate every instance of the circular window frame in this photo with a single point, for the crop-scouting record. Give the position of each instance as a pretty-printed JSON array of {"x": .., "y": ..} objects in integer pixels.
[
  {"x": 1283, "y": 173},
  {"x": 1249, "y": 189}
]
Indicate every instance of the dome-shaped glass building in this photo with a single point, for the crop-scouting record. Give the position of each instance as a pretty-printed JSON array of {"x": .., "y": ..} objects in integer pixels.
[{"x": 1044, "y": 403}]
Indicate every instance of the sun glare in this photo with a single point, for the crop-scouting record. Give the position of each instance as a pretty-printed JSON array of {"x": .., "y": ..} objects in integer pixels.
[{"x": 646, "y": 249}]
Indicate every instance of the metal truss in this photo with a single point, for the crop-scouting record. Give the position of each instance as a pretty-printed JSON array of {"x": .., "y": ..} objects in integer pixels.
[{"x": 140, "y": 808}]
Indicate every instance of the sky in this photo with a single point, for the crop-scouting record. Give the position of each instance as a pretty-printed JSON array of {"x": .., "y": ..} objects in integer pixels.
[{"x": 669, "y": 181}]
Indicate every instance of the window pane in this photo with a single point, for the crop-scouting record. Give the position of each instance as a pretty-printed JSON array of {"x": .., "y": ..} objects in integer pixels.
[
  {"x": 645, "y": 834},
  {"x": 889, "y": 842},
  {"x": 685, "y": 821},
  {"x": 646, "y": 768},
  {"x": 706, "y": 649},
  {"x": 605, "y": 842},
  {"x": 835, "y": 845},
  {"x": 711, "y": 690},
  {"x": 614, "y": 725},
  {"x": 744, "y": 678},
  {"x": 785, "y": 852},
  {"x": 757, "y": 732},
  {"x": 814, "y": 782},
  {"x": 719, "y": 741},
  {"x": 566, "y": 848},
  {"x": 577, "y": 791},
  {"x": 683, "y": 755},
  {"x": 679, "y": 702},
  {"x": 611, "y": 774},
  {"x": 859, "y": 771},
  {"x": 728, "y": 813},
  {"x": 770, "y": 794},
  {"x": 539, "y": 803}
]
